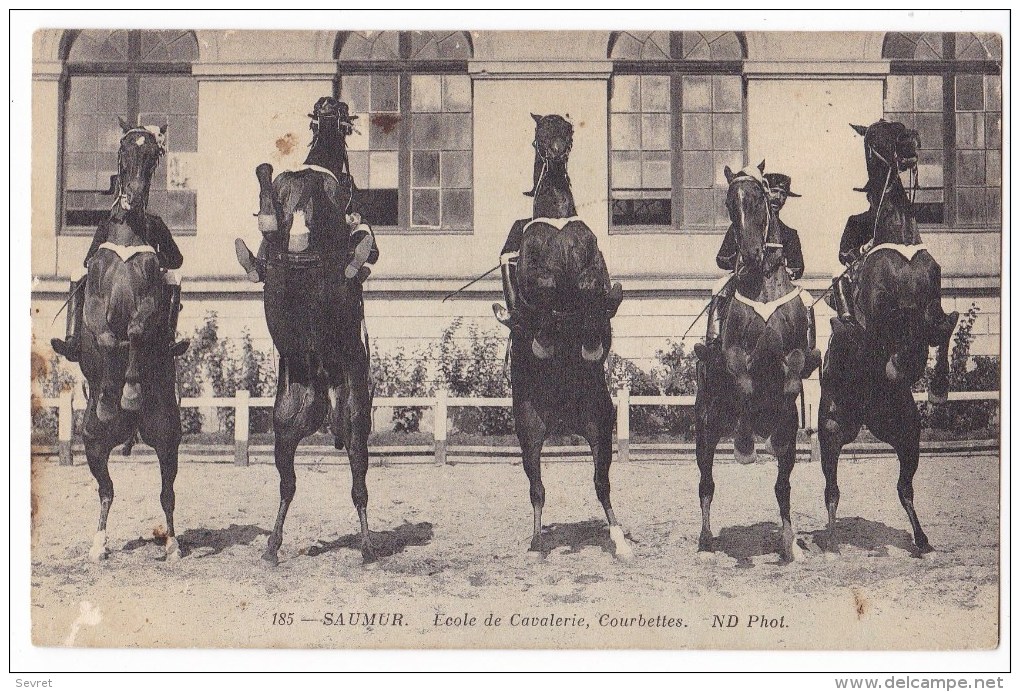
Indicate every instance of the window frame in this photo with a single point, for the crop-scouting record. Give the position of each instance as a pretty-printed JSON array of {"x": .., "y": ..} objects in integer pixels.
[
  {"x": 134, "y": 71},
  {"x": 948, "y": 67},
  {"x": 405, "y": 68},
  {"x": 676, "y": 68}
]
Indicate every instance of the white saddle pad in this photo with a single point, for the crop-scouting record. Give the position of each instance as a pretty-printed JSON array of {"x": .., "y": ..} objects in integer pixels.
[
  {"x": 126, "y": 252},
  {"x": 908, "y": 251},
  {"x": 765, "y": 310}
]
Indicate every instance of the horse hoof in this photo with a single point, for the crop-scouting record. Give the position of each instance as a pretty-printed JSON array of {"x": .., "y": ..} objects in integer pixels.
[
  {"x": 624, "y": 553},
  {"x": 706, "y": 556},
  {"x": 831, "y": 426},
  {"x": 131, "y": 399},
  {"x": 891, "y": 373},
  {"x": 746, "y": 459},
  {"x": 99, "y": 550},
  {"x": 796, "y": 553},
  {"x": 793, "y": 387},
  {"x": 271, "y": 557},
  {"x": 173, "y": 550},
  {"x": 370, "y": 563},
  {"x": 540, "y": 351},
  {"x": 592, "y": 356},
  {"x": 106, "y": 413}
]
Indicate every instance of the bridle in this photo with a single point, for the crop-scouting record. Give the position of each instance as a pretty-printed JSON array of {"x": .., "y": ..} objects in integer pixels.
[
  {"x": 768, "y": 226},
  {"x": 143, "y": 130},
  {"x": 871, "y": 152}
]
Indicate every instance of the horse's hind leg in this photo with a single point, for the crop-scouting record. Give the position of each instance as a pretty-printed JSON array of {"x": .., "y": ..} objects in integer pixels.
[
  {"x": 353, "y": 420},
  {"x": 599, "y": 434},
  {"x": 531, "y": 433},
  {"x": 784, "y": 443},
  {"x": 97, "y": 451},
  {"x": 161, "y": 429},
  {"x": 706, "y": 440},
  {"x": 297, "y": 412},
  {"x": 900, "y": 426}
]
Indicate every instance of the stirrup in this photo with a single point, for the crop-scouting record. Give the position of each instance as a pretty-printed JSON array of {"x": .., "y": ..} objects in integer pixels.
[
  {"x": 247, "y": 261},
  {"x": 502, "y": 314},
  {"x": 360, "y": 255}
]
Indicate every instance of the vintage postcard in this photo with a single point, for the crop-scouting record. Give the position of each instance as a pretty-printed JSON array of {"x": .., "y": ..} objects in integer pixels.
[{"x": 588, "y": 339}]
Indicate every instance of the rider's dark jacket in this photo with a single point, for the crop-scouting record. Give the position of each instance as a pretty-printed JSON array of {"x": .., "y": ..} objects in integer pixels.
[
  {"x": 859, "y": 230},
  {"x": 728, "y": 252},
  {"x": 155, "y": 231},
  {"x": 513, "y": 241}
]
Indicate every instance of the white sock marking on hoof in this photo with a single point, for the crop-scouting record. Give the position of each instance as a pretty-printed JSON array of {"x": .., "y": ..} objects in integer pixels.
[
  {"x": 623, "y": 550},
  {"x": 173, "y": 549},
  {"x": 99, "y": 551},
  {"x": 593, "y": 356}
]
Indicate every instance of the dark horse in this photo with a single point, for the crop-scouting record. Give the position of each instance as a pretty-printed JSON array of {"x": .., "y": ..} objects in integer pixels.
[
  {"x": 867, "y": 380},
  {"x": 315, "y": 314},
  {"x": 767, "y": 349},
  {"x": 130, "y": 372},
  {"x": 560, "y": 335}
]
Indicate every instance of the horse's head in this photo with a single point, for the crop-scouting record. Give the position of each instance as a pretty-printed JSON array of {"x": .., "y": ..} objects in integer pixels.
[
  {"x": 889, "y": 147},
  {"x": 141, "y": 147},
  {"x": 747, "y": 202},
  {"x": 554, "y": 137}
]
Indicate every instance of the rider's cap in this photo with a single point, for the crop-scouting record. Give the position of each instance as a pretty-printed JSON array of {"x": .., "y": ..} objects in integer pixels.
[
  {"x": 780, "y": 181},
  {"x": 329, "y": 107}
]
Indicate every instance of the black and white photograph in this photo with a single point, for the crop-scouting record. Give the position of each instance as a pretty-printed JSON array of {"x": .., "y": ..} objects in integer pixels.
[{"x": 674, "y": 338}]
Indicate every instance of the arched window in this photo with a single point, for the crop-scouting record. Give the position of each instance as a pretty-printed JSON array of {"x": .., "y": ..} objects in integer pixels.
[
  {"x": 948, "y": 88},
  {"x": 145, "y": 78},
  {"x": 411, "y": 155},
  {"x": 676, "y": 119}
]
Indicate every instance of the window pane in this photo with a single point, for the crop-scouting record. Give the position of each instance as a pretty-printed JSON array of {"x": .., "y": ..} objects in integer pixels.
[
  {"x": 425, "y": 207},
  {"x": 993, "y": 169},
  {"x": 642, "y": 212},
  {"x": 929, "y": 127},
  {"x": 625, "y": 168},
  {"x": 699, "y": 208},
  {"x": 722, "y": 216},
  {"x": 970, "y": 131},
  {"x": 383, "y": 133},
  {"x": 425, "y": 169},
  {"x": 728, "y": 97},
  {"x": 355, "y": 91},
  {"x": 993, "y": 92},
  {"x": 655, "y": 94},
  {"x": 385, "y": 93},
  {"x": 456, "y": 169},
  {"x": 457, "y": 94},
  {"x": 182, "y": 133},
  {"x": 697, "y": 131},
  {"x": 899, "y": 93},
  {"x": 970, "y": 203},
  {"x": 697, "y": 94},
  {"x": 929, "y": 168},
  {"x": 655, "y": 170},
  {"x": 655, "y": 131},
  {"x": 456, "y": 129},
  {"x": 154, "y": 94},
  {"x": 970, "y": 92},
  {"x": 81, "y": 171},
  {"x": 426, "y": 131},
  {"x": 626, "y": 95},
  {"x": 970, "y": 167},
  {"x": 183, "y": 95},
  {"x": 82, "y": 96},
  {"x": 993, "y": 130},
  {"x": 928, "y": 94},
  {"x": 358, "y": 162},
  {"x": 727, "y": 131},
  {"x": 698, "y": 169},
  {"x": 382, "y": 169},
  {"x": 625, "y": 131},
  {"x": 733, "y": 159},
  {"x": 457, "y": 209},
  {"x": 426, "y": 93},
  {"x": 82, "y": 133}
]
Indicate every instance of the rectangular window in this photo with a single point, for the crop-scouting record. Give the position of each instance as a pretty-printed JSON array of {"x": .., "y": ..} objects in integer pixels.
[
  {"x": 670, "y": 138},
  {"x": 917, "y": 102},
  {"x": 92, "y": 136},
  {"x": 978, "y": 112},
  {"x": 423, "y": 122}
]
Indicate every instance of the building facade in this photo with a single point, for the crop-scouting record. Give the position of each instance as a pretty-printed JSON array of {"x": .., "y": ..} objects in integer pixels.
[{"x": 443, "y": 153}]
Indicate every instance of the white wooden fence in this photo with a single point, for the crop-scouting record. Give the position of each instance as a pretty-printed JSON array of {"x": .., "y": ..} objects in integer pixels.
[{"x": 440, "y": 403}]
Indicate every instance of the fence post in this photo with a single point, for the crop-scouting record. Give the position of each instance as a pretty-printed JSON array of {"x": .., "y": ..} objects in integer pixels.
[
  {"x": 623, "y": 424},
  {"x": 65, "y": 428},
  {"x": 241, "y": 425},
  {"x": 439, "y": 426}
]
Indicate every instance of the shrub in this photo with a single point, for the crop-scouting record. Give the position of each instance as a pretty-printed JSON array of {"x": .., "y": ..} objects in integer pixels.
[
  {"x": 966, "y": 374},
  {"x": 677, "y": 375},
  {"x": 400, "y": 374},
  {"x": 49, "y": 380},
  {"x": 475, "y": 370}
]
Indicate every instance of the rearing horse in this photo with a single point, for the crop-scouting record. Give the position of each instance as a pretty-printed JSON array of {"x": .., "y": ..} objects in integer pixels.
[
  {"x": 767, "y": 350},
  {"x": 560, "y": 331},
  {"x": 315, "y": 313},
  {"x": 124, "y": 356},
  {"x": 898, "y": 299}
]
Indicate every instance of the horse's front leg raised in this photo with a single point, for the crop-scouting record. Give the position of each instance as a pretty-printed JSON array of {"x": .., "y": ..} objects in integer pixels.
[
  {"x": 941, "y": 328},
  {"x": 142, "y": 340}
]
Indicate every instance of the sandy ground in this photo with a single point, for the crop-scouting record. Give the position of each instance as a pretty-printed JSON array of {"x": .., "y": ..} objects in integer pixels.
[{"x": 455, "y": 539}]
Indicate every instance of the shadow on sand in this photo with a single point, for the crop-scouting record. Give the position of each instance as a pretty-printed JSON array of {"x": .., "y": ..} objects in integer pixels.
[
  {"x": 386, "y": 543},
  {"x": 746, "y": 542},
  {"x": 217, "y": 540},
  {"x": 594, "y": 532}
]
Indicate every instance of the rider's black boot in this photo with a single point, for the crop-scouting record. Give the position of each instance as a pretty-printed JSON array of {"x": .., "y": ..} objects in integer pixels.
[
  {"x": 713, "y": 341},
  {"x": 177, "y": 348},
  {"x": 843, "y": 300},
  {"x": 508, "y": 271},
  {"x": 70, "y": 347}
]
